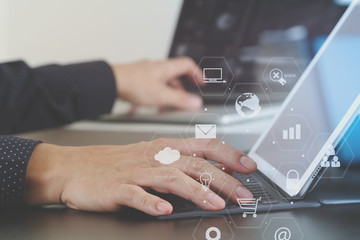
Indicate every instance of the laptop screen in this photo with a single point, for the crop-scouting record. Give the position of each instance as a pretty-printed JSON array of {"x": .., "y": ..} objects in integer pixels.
[
  {"x": 317, "y": 110},
  {"x": 248, "y": 34}
]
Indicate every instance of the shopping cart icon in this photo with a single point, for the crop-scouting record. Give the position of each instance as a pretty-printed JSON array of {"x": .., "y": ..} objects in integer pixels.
[{"x": 249, "y": 205}]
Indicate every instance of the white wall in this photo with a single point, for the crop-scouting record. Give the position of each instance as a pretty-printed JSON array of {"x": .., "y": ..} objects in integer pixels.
[
  {"x": 42, "y": 31},
  {"x": 3, "y": 30}
]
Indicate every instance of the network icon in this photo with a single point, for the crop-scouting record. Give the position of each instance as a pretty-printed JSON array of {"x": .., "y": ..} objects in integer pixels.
[{"x": 330, "y": 153}]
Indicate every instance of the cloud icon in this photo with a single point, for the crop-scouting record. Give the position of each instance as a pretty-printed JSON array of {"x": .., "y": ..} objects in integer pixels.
[{"x": 167, "y": 156}]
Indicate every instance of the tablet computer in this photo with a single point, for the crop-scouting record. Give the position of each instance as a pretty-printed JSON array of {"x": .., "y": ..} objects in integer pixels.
[{"x": 316, "y": 113}]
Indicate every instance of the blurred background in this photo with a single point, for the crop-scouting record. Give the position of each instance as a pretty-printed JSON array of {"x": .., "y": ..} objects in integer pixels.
[
  {"x": 121, "y": 31},
  {"x": 41, "y": 31}
]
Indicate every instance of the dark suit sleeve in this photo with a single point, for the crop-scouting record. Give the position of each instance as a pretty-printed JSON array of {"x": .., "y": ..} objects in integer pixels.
[
  {"x": 14, "y": 157},
  {"x": 49, "y": 96}
]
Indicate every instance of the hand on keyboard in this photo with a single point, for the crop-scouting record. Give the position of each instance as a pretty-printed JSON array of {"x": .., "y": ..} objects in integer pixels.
[{"x": 107, "y": 178}]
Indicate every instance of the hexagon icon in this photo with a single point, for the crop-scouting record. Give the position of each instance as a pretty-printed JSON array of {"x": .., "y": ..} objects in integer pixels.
[
  {"x": 155, "y": 151},
  {"x": 290, "y": 173},
  {"x": 249, "y": 102},
  {"x": 282, "y": 229},
  {"x": 255, "y": 214},
  {"x": 292, "y": 132},
  {"x": 281, "y": 74},
  {"x": 208, "y": 182},
  {"x": 213, "y": 229},
  {"x": 207, "y": 176},
  {"x": 345, "y": 156},
  {"x": 203, "y": 127},
  {"x": 217, "y": 75}
]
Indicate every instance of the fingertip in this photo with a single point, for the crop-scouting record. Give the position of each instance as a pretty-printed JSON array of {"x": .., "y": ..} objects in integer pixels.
[
  {"x": 242, "y": 192},
  {"x": 195, "y": 102},
  {"x": 196, "y": 72},
  {"x": 198, "y": 76},
  {"x": 216, "y": 201},
  {"x": 164, "y": 208},
  {"x": 248, "y": 163}
]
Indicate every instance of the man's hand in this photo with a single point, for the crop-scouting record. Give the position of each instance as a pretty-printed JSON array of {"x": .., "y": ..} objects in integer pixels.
[
  {"x": 107, "y": 178},
  {"x": 156, "y": 83}
]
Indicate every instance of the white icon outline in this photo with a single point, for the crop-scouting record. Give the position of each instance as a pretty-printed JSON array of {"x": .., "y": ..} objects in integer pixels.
[
  {"x": 206, "y": 179},
  {"x": 307, "y": 132},
  {"x": 292, "y": 183},
  {"x": 217, "y": 61},
  {"x": 256, "y": 105},
  {"x": 335, "y": 162},
  {"x": 213, "y": 229},
  {"x": 249, "y": 205},
  {"x": 218, "y": 79},
  {"x": 205, "y": 130},
  {"x": 276, "y": 75},
  {"x": 282, "y": 233},
  {"x": 293, "y": 133},
  {"x": 325, "y": 162},
  {"x": 167, "y": 156}
]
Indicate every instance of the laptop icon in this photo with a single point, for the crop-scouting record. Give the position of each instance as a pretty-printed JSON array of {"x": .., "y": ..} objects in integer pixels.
[{"x": 213, "y": 75}]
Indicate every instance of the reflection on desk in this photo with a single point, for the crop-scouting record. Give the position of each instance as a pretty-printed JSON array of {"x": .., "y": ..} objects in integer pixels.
[{"x": 339, "y": 222}]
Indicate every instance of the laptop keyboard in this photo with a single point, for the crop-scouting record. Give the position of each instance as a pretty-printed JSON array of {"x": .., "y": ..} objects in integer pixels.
[
  {"x": 257, "y": 190},
  {"x": 182, "y": 205}
]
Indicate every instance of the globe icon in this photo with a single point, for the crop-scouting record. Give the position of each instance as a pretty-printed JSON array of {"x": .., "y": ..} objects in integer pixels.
[{"x": 247, "y": 105}]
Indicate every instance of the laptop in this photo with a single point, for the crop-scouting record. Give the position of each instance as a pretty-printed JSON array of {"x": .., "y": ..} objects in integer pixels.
[
  {"x": 307, "y": 131},
  {"x": 243, "y": 38},
  {"x": 237, "y": 44}
]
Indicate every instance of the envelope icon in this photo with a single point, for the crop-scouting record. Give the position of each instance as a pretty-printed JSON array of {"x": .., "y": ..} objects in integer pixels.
[{"x": 205, "y": 131}]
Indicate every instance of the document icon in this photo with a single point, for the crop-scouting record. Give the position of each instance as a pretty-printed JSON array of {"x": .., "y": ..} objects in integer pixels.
[{"x": 205, "y": 131}]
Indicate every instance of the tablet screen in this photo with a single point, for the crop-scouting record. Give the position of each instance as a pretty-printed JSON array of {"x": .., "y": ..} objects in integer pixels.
[{"x": 315, "y": 111}]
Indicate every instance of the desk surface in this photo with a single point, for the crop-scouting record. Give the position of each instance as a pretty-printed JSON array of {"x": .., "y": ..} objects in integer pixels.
[
  {"x": 323, "y": 223},
  {"x": 330, "y": 222}
]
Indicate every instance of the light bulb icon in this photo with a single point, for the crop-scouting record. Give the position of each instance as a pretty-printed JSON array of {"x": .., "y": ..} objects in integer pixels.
[{"x": 205, "y": 180}]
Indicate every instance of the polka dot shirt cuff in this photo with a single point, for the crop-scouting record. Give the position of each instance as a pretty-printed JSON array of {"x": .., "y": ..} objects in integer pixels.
[{"x": 14, "y": 157}]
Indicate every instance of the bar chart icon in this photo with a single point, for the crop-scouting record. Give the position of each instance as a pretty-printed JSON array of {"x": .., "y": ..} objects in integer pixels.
[{"x": 292, "y": 133}]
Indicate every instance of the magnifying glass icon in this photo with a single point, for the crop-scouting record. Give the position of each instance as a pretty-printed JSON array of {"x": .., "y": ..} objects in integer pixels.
[
  {"x": 276, "y": 75},
  {"x": 213, "y": 229}
]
